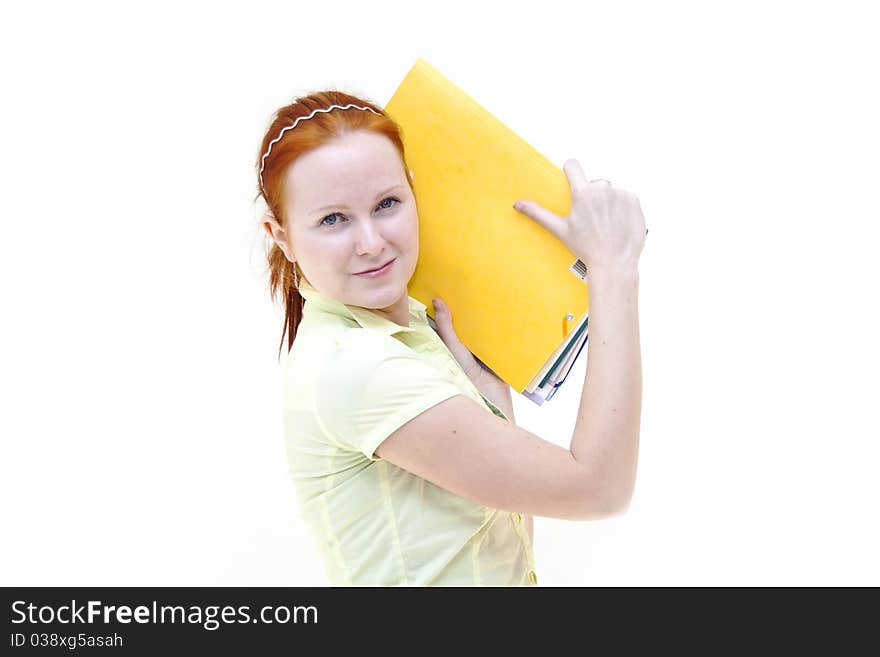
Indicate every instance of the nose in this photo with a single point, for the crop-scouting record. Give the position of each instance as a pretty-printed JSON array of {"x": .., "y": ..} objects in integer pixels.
[{"x": 369, "y": 240}]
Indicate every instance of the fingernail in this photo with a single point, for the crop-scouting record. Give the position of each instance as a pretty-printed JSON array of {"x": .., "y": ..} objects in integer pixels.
[{"x": 517, "y": 206}]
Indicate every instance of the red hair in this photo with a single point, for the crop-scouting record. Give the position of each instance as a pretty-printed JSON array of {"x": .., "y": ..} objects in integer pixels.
[{"x": 306, "y": 136}]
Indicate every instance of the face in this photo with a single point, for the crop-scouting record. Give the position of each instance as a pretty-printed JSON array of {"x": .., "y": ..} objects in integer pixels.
[{"x": 350, "y": 209}]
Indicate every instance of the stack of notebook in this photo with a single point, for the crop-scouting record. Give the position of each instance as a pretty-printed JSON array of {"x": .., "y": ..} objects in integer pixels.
[{"x": 518, "y": 296}]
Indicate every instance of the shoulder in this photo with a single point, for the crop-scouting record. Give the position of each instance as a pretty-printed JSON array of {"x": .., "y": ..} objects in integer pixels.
[
  {"x": 359, "y": 352},
  {"x": 314, "y": 347},
  {"x": 376, "y": 368},
  {"x": 373, "y": 383}
]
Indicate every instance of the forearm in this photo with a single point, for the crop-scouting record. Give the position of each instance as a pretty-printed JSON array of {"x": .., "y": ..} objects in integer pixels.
[
  {"x": 504, "y": 401},
  {"x": 606, "y": 436},
  {"x": 506, "y": 405},
  {"x": 496, "y": 391}
]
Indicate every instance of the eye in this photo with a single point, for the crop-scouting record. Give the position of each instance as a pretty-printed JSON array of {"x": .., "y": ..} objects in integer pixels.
[
  {"x": 380, "y": 206},
  {"x": 390, "y": 198},
  {"x": 329, "y": 216}
]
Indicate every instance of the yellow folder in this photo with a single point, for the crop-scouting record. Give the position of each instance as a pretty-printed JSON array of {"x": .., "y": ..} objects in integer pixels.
[{"x": 516, "y": 292}]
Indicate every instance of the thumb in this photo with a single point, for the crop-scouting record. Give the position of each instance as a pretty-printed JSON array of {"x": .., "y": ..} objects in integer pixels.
[
  {"x": 442, "y": 314},
  {"x": 443, "y": 317}
]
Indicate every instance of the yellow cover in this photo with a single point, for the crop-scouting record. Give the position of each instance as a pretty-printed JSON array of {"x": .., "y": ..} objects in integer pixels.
[{"x": 509, "y": 281}]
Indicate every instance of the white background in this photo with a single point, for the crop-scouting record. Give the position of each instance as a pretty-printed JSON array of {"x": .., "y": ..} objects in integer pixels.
[{"x": 141, "y": 423}]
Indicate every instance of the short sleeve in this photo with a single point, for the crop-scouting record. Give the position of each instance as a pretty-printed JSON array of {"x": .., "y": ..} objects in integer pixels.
[{"x": 373, "y": 384}]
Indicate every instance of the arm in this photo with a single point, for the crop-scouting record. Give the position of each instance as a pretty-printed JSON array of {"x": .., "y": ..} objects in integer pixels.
[
  {"x": 606, "y": 435},
  {"x": 498, "y": 392},
  {"x": 501, "y": 397},
  {"x": 460, "y": 447}
]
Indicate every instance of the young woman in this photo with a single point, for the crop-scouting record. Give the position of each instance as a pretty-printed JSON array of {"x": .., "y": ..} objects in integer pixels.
[{"x": 406, "y": 461}]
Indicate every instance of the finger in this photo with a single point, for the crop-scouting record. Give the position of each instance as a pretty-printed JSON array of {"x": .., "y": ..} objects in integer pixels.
[
  {"x": 577, "y": 180},
  {"x": 457, "y": 348},
  {"x": 443, "y": 317},
  {"x": 542, "y": 216}
]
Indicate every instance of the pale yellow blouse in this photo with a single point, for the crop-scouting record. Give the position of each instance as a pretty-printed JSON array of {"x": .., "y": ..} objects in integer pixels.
[{"x": 351, "y": 379}]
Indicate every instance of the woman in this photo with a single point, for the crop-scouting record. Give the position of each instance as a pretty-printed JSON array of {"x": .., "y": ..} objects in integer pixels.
[{"x": 407, "y": 464}]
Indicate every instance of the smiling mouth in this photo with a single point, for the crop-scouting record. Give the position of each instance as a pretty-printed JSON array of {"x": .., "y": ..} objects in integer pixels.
[{"x": 370, "y": 271}]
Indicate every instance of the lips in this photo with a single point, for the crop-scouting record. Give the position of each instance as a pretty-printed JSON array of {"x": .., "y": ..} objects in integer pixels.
[{"x": 376, "y": 269}]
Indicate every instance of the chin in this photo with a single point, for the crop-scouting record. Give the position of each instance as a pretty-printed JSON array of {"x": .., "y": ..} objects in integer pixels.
[{"x": 385, "y": 296}]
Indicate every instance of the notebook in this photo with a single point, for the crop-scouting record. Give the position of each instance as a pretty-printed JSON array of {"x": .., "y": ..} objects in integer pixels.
[{"x": 519, "y": 297}]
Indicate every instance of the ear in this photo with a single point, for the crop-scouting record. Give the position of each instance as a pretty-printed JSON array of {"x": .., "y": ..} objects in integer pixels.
[{"x": 277, "y": 234}]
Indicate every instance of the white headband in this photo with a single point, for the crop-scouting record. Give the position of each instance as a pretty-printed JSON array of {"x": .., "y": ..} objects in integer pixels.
[{"x": 303, "y": 118}]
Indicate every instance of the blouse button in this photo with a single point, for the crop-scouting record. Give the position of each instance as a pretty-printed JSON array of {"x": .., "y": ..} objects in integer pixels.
[
  {"x": 533, "y": 578},
  {"x": 517, "y": 517}
]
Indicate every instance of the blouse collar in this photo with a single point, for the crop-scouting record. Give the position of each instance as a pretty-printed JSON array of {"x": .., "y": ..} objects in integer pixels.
[{"x": 363, "y": 316}]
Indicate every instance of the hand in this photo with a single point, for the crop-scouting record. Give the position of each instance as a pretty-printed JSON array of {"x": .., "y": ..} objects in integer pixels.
[
  {"x": 605, "y": 227},
  {"x": 484, "y": 379}
]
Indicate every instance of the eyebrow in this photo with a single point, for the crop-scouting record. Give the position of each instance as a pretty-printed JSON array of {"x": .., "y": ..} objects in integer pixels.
[{"x": 331, "y": 207}]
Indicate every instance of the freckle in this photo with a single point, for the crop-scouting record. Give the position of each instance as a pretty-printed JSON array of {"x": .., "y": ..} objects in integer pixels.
[{"x": 454, "y": 431}]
